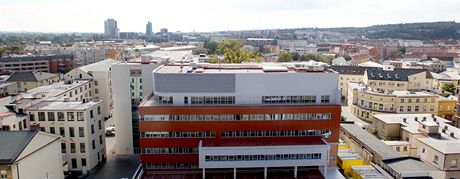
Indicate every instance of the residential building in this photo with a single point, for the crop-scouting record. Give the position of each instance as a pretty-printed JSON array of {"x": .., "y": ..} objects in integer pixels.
[
  {"x": 240, "y": 116},
  {"x": 23, "y": 154},
  {"x": 30, "y": 80},
  {"x": 111, "y": 29},
  {"x": 354, "y": 74},
  {"x": 390, "y": 78},
  {"x": 37, "y": 63},
  {"x": 390, "y": 161},
  {"x": 8, "y": 88},
  {"x": 12, "y": 122},
  {"x": 100, "y": 74},
  {"x": 81, "y": 127},
  {"x": 431, "y": 138},
  {"x": 446, "y": 108},
  {"x": 365, "y": 102}
]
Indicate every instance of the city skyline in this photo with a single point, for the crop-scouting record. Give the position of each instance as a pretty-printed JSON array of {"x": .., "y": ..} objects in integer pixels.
[{"x": 207, "y": 16}]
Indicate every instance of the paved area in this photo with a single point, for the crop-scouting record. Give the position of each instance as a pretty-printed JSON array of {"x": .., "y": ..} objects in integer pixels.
[
  {"x": 351, "y": 117},
  {"x": 117, "y": 167}
]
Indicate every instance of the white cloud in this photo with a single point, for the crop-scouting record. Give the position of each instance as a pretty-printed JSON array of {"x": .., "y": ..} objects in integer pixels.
[{"x": 212, "y": 15}]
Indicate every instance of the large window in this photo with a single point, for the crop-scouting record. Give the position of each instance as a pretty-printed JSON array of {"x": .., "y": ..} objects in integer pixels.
[
  {"x": 81, "y": 132},
  {"x": 170, "y": 150},
  {"x": 63, "y": 148},
  {"x": 70, "y": 116},
  {"x": 82, "y": 148},
  {"x": 62, "y": 131},
  {"x": 51, "y": 116},
  {"x": 212, "y": 100},
  {"x": 80, "y": 116},
  {"x": 288, "y": 99},
  {"x": 71, "y": 132},
  {"x": 224, "y": 158},
  {"x": 239, "y": 117},
  {"x": 325, "y": 99},
  {"x": 237, "y": 134},
  {"x": 164, "y": 99},
  {"x": 60, "y": 116},
  {"x": 73, "y": 148},
  {"x": 179, "y": 134},
  {"x": 41, "y": 116}
]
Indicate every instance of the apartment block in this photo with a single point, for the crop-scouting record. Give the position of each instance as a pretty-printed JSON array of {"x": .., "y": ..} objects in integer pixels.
[
  {"x": 38, "y": 63},
  {"x": 81, "y": 127},
  {"x": 202, "y": 117},
  {"x": 23, "y": 154}
]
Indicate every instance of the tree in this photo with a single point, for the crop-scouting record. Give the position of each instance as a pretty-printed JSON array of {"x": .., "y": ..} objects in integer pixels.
[
  {"x": 295, "y": 56},
  {"x": 284, "y": 57},
  {"x": 303, "y": 57},
  {"x": 231, "y": 50},
  {"x": 211, "y": 46},
  {"x": 449, "y": 87}
]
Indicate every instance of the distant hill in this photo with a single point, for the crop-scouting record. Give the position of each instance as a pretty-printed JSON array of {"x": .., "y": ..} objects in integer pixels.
[{"x": 419, "y": 31}]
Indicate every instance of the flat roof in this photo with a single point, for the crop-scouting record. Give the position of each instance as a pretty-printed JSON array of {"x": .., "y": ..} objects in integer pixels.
[
  {"x": 408, "y": 165},
  {"x": 442, "y": 145},
  {"x": 63, "y": 105},
  {"x": 287, "y": 142},
  {"x": 301, "y": 67},
  {"x": 371, "y": 141},
  {"x": 53, "y": 89}
]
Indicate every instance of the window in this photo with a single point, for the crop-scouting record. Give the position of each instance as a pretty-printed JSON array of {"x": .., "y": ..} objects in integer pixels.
[
  {"x": 405, "y": 148},
  {"x": 62, "y": 131},
  {"x": 99, "y": 124},
  {"x": 31, "y": 117},
  {"x": 80, "y": 116},
  {"x": 417, "y": 100},
  {"x": 397, "y": 149},
  {"x": 51, "y": 116},
  {"x": 423, "y": 150},
  {"x": 82, "y": 148},
  {"x": 409, "y": 108},
  {"x": 435, "y": 160},
  {"x": 52, "y": 130},
  {"x": 325, "y": 99},
  {"x": 96, "y": 91},
  {"x": 95, "y": 83},
  {"x": 410, "y": 100},
  {"x": 70, "y": 116},
  {"x": 416, "y": 108},
  {"x": 74, "y": 163},
  {"x": 453, "y": 163},
  {"x": 41, "y": 116},
  {"x": 93, "y": 144},
  {"x": 91, "y": 114},
  {"x": 41, "y": 129},
  {"x": 60, "y": 116},
  {"x": 92, "y": 128},
  {"x": 401, "y": 108},
  {"x": 100, "y": 139},
  {"x": 81, "y": 132},
  {"x": 63, "y": 148},
  {"x": 3, "y": 174},
  {"x": 185, "y": 100},
  {"x": 71, "y": 132},
  {"x": 402, "y": 100},
  {"x": 72, "y": 148},
  {"x": 99, "y": 110},
  {"x": 83, "y": 162}
]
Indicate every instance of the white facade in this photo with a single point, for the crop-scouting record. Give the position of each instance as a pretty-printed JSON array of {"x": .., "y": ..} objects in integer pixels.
[
  {"x": 81, "y": 126},
  {"x": 264, "y": 156},
  {"x": 133, "y": 83}
]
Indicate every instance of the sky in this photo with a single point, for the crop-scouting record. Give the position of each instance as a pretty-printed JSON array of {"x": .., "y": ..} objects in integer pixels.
[{"x": 216, "y": 15}]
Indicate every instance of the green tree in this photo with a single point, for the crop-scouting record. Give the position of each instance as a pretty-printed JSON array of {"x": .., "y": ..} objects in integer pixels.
[
  {"x": 211, "y": 46},
  {"x": 449, "y": 87},
  {"x": 213, "y": 59},
  {"x": 231, "y": 50},
  {"x": 303, "y": 57},
  {"x": 295, "y": 56},
  {"x": 284, "y": 57}
]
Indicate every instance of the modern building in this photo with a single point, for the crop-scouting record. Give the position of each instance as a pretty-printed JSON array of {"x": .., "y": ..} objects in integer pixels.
[
  {"x": 81, "y": 127},
  {"x": 30, "y": 80},
  {"x": 164, "y": 30},
  {"x": 148, "y": 29},
  {"x": 205, "y": 117},
  {"x": 133, "y": 83},
  {"x": 37, "y": 63},
  {"x": 111, "y": 29},
  {"x": 100, "y": 74},
  {"x": 23, "y": 153}
]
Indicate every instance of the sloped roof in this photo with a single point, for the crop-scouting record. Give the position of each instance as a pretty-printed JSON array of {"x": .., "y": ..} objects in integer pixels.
[
  {"x": 30, "y": 76},
  {"x": 13, "y": 143},
  {"x": 394, "y": 75}
]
